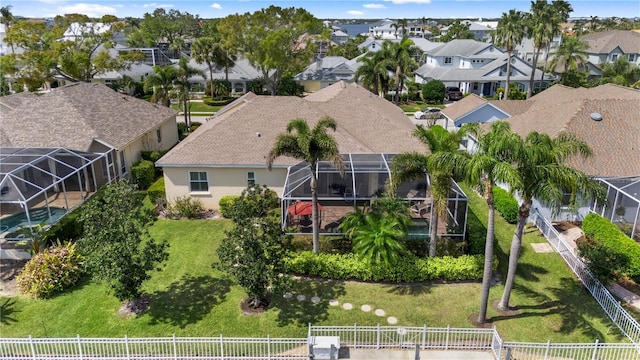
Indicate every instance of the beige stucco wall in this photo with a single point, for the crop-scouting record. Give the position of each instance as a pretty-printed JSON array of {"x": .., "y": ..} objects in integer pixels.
[
  {"x": 149, "y": 142},
  {"x": 310, "y": 85},
  {"x": 222, "y": 181}
]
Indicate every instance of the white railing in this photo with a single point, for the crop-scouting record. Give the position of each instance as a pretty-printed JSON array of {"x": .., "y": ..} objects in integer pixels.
[
  {"x": 153, "y": 348},
  {"x": 612, "y": 307},
  {"x": 542, "y": 351}
]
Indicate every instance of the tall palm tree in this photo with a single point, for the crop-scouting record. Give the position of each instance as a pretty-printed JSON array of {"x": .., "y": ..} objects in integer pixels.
[
  {"x": 201, "y": 51},
  {"x": 7, "y": 19},
  {"x": 415, "y": 166},
  {"x": 541, "y": 164},
  {"x": 402, "y": 57},
  {"x": 570, "y": 55},
  {"x": 559, "y": 11},
  {"x": 181, "y": 83},
  {"x": 311, "y": 146},
  {"x": 620, "y": 72},
  {"x": 509, "y": 34},
  {"x": 540, "y": 31},
  {"x": 160, "y": 81},
  {"x": 373, "y": 72}
]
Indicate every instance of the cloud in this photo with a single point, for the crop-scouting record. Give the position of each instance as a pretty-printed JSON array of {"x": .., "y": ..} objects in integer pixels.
[
  {"x": 216, "y": 6},
  {"x": 91, "y": 10},
  {"x": 374, "y": 6},
  {"x": 156, "y": 5},
  {"x": 355, "y": 12},
  {"x": 53, "y": 1},
  {"x": 409, "y": 1}
]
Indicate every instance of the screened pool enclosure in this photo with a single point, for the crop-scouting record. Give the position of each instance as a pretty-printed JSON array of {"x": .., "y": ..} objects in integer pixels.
[
  {"x": 623, "y": 204},
  {"x": 365, "y": 179},
  {"x": 40, "y": 185}
]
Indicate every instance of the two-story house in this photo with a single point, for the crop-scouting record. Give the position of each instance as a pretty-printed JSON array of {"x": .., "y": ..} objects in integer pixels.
[{"x": 608, "y": 46}]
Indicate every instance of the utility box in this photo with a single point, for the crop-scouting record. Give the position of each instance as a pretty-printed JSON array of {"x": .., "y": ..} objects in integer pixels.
[{"x": 325, "y": 347}]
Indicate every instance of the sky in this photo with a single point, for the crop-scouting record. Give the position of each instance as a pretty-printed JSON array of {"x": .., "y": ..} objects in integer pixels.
[{"x": 327, "y": 9}]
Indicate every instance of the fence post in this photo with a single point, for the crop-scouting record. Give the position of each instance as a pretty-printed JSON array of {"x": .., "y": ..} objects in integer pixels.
[
  {"x": 126, "y": 345},
  {"x": 355, "y": 335},
  {"x": 221, "y": 348},
  {"x": 508, "y": 355},
  {"x": 268, "y": 347},
  {"x": 175, "y": 348},
  {"x": 424, "y": 336},
  {"x": 311, "y": 351},
  {"x": 378, "y": 338},
  {"x": 309, "y": 334},
  {"x": 446, "y": 342},
  {"x": 595, "y": 350},
  {"x": 79, "y": 346},
  {"x": 546, "y": 351},
  {"x": 615, "y": 318},
  {"x": 417, "y": 355},
  {"x": 33, "y": 349}
]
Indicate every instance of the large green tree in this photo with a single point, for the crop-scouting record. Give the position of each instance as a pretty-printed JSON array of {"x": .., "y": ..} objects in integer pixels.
[
  {"x": 310, "y": 145},
  {"x": 509, "y": 34},
  {"x": 403, "y": 61},
  {"x": 570, "y": 55},
  {"x": 456, "y": 30},
  {"x": 211, "y": 52},
  {"x": 253, "y": 251},
  {"x": 160, "y": 81},
  {"x": 173, "y": 27},
  {"x": 116, "y": 244},
  {"x": 620, "y": 72},
  {"x": 374, "y": 71},
  {"x": 267, "y": 38},
  {"x": 544, "y": 174}
]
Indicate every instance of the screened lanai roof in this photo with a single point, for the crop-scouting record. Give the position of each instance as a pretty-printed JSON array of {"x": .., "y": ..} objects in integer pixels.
[{"x": 26, "y": 173}]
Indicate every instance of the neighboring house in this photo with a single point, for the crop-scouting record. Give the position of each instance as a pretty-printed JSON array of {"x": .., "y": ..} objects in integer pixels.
[
  {"x": 78, "y": 30},
  {"x": 608, "y": 46},
  {"x": 605, "y": 117},
  {"x": 481, "y": 31},
  {"x": 327, "y": 71},
  {"x": 239, "y": 75},
  {"x": 526, "y": 50},
  {"x": 476, "y": 67},
  {"x": 338, "y": 36},
  {"x": 385, "y": 30},
  {"x": 137, "y": 72},
  {"x": 373, "y": 44},
  {"x": 88, "y": 118},
  {"x": 153, "y": 56}
]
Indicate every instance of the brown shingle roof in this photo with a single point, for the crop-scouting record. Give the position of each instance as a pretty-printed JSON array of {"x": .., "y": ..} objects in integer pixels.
[
  {"x": 73, "y": 116},
  {"x": 244, "y": 134},
  {"x": 606, "y": 41}
]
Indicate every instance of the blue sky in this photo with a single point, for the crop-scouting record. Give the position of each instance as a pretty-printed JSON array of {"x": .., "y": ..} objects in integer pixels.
[{"x": 341, "y": 9}]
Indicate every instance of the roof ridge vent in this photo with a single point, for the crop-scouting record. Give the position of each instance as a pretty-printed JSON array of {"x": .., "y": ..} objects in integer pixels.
[{"x": 596, "y": 116}]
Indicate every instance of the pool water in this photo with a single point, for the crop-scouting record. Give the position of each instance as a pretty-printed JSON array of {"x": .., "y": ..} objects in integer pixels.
[{"x": 38, "y": 216}]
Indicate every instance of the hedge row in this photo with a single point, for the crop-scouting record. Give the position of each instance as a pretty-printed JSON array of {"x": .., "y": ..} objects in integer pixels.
[
  {"x": 505, "y": 204},
  {"x": 142, "y": 174},
  {"x": 410, "y": 269},
  {"x": 156, "y": 190},
  {"x": 608, "y": 234}
]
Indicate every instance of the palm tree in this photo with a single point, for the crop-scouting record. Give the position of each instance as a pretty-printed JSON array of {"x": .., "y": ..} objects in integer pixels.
[
  {"x": 509, "y": 34},
  {"x": 540, "y": 31},
  {"x": 201, "y": 51},
  {"x": 415, "y": 166},
  {"x": 558, "y": 14},
  {"x": 160, "y": 81},
  {"x": 373, "y": 71},
  {"x": 405, "y": 63},
  {"x": 620, "y": 72},
  {"x": 311, "y": 146},
  {"x": 544, "y": 175},
  {"x": 7, "y": 19},
  {"x": 181, "y": 83},
  {"x": 570, "y": 55}
]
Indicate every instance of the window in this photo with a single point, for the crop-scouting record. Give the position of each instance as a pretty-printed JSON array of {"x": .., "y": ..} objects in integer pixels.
[
  {"x": 198, "y": 181},
  {"x": 448, "y": 60},
  {"x": 123, "y": 164},
  {"x": 632, "y": 58},
  {"x": 614, "y": 57},
  {"x": 159, "y": 135},
  {"x": 475, "y": 86},
  {"x": 251, "y": 178}
]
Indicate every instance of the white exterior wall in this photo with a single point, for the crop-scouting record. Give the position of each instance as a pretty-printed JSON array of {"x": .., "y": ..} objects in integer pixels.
[{"x": 222, "y": 181}]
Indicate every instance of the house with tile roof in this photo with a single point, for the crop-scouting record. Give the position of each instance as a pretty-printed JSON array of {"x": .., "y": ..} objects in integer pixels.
[
  {"x": 88, "y": 118},
  {"x": 228, "y": 153},
  {"x": 476, "y": 67}
]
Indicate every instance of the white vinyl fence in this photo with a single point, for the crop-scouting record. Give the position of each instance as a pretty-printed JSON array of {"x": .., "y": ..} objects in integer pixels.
[{"x": 625, "y": 322}]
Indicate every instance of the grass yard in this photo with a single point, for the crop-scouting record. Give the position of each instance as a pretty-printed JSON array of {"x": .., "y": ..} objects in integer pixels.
[
  {"x": 189, "y": 298},
  {"x": 419, "y": 105},
  {"x": 199, "y": 107}
]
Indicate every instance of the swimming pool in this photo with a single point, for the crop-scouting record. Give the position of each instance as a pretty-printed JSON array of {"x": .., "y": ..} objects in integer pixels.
[{"x": 37, "y": 215}]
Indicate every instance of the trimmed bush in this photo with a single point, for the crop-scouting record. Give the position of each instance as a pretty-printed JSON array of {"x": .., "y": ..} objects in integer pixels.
[
  {"x": 218, "y": 102},
  {"x": 185, "y": 207},
  {"x": 51, "y": 271},
  {"x": 142, "y": 174},
  {"x": 225, "y": 204},
  {"x": 152, "y": 156},
  {"x": 433, "y": 92},
  {"x": 410, "y": 269},
  {"x": 505, "y": 204},
  {"x": 157, "y": 190},
  {"x": 607, "y": 234}
]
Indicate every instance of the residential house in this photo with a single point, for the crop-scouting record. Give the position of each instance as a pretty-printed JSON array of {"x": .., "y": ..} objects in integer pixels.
[
  {"x": 385, "y": 30},
  {"x": 228, "y": 153},
  {"x": 88, "y": 118},
  {"x": 239, "y": 75},
  {"x": 339, "y": 37},
  {"x": 476, "y": 67},
  {"x": 608, "y": 46},
  {"x": 482, "y": 31},
  {"x": 605, "y": 117},
  {"x": 327, "y": 71}
]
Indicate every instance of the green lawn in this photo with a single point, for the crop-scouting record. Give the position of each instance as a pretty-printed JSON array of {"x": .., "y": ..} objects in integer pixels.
[
  {"x": 199, "y": 107},
  {"x": 189, "y": 298},
  {"x": 419, "y": 105}
]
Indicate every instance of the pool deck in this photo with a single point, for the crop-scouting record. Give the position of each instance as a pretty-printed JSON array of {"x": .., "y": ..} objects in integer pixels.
[
  {"x": 366, "y": 354},
  {"x": 14, "y": 254}
]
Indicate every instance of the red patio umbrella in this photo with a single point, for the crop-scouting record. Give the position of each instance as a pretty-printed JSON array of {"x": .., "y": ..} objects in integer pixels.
[{"x": 302, "y": 208}]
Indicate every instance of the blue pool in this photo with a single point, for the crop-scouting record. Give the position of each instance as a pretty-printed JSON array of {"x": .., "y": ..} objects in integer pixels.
[{"x": 38, "y": 216}]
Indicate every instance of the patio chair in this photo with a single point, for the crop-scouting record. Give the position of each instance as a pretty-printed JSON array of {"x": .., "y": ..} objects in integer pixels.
[{"x": 419, "y": 208}]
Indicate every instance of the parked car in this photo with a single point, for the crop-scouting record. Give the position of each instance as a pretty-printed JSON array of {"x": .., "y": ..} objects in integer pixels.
[
  {"x": 453, "y": 93},
  {"x": 427, "y": 113}
]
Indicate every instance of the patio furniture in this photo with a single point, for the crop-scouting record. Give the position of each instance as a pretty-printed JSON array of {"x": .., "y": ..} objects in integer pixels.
[{"x": 419, "y": 208}]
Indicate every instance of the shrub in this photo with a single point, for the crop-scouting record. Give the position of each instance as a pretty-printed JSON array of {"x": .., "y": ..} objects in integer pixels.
[
  {"x": 157, "y": 190},
  {"x": 604, "y": 263},
  {"x": 505, "y": 204},
  {"x": 410, "y": 269},
  {"x": 218, "y": 102},
  {"x": 67, "y": 228},
  {"x": 225, "y": 204},
  {"x": 608, "y": 235},
  {"x": 51, "y": 271},
  {"x": 185, "y": 207},
  {"x": 433, "y": 92},
  {"x": 152, "y": 156},
  {"x": 142, "y": 174}
]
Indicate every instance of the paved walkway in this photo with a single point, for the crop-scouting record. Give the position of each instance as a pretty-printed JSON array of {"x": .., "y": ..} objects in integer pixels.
[
  {"x": 362, "y": 354},
  {"x": 13, "y": 254}
]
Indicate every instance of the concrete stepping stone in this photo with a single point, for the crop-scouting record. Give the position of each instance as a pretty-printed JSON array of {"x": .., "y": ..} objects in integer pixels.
[
  {"x": 334, "y": 302},
  {"x": 301, "y": 297},
  {"x": 392, "y": 320},
  {"x": 347, "y": 306},
  {"x": 380, "y": 312},
  {"x": 287, "y": 295},
  {"x": 315, "y": 299},
  {"x": 365, "y": 308}
]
